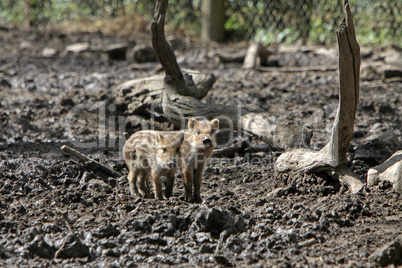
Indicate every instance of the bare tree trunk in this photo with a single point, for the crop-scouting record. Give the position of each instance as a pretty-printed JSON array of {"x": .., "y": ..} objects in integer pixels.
[
  {"x": 332, "y": 158},
  {"x": 213, "y": 20},
  {"x": 27, "y": 22},
  {"x": 179, "y": 103}
]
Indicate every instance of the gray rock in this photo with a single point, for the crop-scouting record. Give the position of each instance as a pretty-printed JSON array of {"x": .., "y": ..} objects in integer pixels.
[
  {"x": 72, "y": 247},
  {"x": 392, "y": 54},
  {"x": 389, "y": 254},
  {"x": 141, "y": 54},
  {"x": 389, "y": 137},
  {"x": 49, "y": 52},
  {"x": 106, "y": 230},
  {"x": 38, "y": 247},
  {"x": 370, "y": 73},
  {"x": 99, "y": 186},
  {"x": 77, "y": 48},
  {"x": 215, "y": 221}
]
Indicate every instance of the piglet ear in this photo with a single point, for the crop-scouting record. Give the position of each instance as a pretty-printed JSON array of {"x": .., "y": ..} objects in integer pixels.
[
  {"x": 192, "y": 122},
  {"x": 159, "y": 137},
  {"x": 179, "y": 140},
  {"x": 215, "y": 124}
]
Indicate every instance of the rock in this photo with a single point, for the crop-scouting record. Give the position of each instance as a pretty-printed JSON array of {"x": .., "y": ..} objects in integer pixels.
[
  {"x": 223, "y": 261},
  {"x": 373, "y": 152},
  {"x": 141, "y": 54},
  {"x": 370, "y": 73},
  {"x": 25, "y": 44},
  {"x": 390, "y": 254},
  {"x": 306, "y": 243},
  {"x": 49, "y": 52},
  {"x": 77, "y": 48},
  {"x": 99, "y": 186},
  {"x": 116, "y": 51},
  {"x": 67, "y": 102},
  {"x": 176, "y": 43},
  {"x": 29, "y": 234},
  {"x": 389, "y": 137},
  {"x": 390, "y": 170},
  {"x": 140, "y": 224},
  {"x": 378, "y": 72},
  {"x": 38, "y": 247},
  {"x": 331, "y": 110},
  {"x": 4, "y": 83},
  {"x": 72, "y": 247},
  {"x": 2, "y": 253},
  {"x": 215, "y": 221},
  {"x": 392, "y": 54},
  {"x": 207, "y": 248},
  {"x": 106, "y": 230},
  {"x": 1, "y": 217}
]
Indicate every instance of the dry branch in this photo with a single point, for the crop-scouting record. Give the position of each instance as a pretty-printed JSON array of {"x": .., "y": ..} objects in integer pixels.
[
  {"x": 332, "y": 157},
  {"x": 179, "y": 104},
  {"x": 95, "y": 165}
]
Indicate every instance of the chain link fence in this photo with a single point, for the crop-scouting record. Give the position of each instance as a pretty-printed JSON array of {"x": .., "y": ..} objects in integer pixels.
[
  {"x": 285, "y": 21},
  {"x": 313, "y": 20},
  {"x": 289, "y": 21}
]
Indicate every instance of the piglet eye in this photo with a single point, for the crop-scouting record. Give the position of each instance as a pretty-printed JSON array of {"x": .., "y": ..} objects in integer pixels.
[
  {"x": 164, "y": 150},
  {"x": 198, "y": 132},
  {"x": 178, "y": 149}
]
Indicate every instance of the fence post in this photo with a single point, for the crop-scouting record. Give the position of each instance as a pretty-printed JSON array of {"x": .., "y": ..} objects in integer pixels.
[{"x": 213, "y": 20}]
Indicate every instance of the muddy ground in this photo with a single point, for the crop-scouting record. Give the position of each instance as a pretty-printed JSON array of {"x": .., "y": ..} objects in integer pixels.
[{"x": 57, "y": 211}]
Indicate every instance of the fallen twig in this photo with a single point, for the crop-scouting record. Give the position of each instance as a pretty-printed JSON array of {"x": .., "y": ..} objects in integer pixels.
[{"x": 95, "y": 165}]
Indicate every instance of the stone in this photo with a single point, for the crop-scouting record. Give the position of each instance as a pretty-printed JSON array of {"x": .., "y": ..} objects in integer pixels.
[
  {"x": 99, "y": 186},
  {"x": 49, "y": 52},
  {"x": 72, "y": 247},
  {"x": 390, "y": 138},
  {"x": 370, "y": 73},
  {"x": 77, "y": 48},
  {"x": 106, "y": 230},
  {"x": 392, "y": 54},
  {"x": 390, "y": 254},
  {"x": 141, "y": 54}
]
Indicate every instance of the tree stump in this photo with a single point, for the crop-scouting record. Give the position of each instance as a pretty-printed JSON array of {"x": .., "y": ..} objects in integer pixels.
[{"x": 332, "y": 158}]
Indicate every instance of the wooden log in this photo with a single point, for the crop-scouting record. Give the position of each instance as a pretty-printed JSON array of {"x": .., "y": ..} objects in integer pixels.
[
  {"x": 139, "y": 94},
  {"x": 332, "y": 157},
  {"x": 178, "y": 103}
]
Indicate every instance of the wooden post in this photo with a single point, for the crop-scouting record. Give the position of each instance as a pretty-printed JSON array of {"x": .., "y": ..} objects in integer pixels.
[{"x": 213, "y": 20}]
